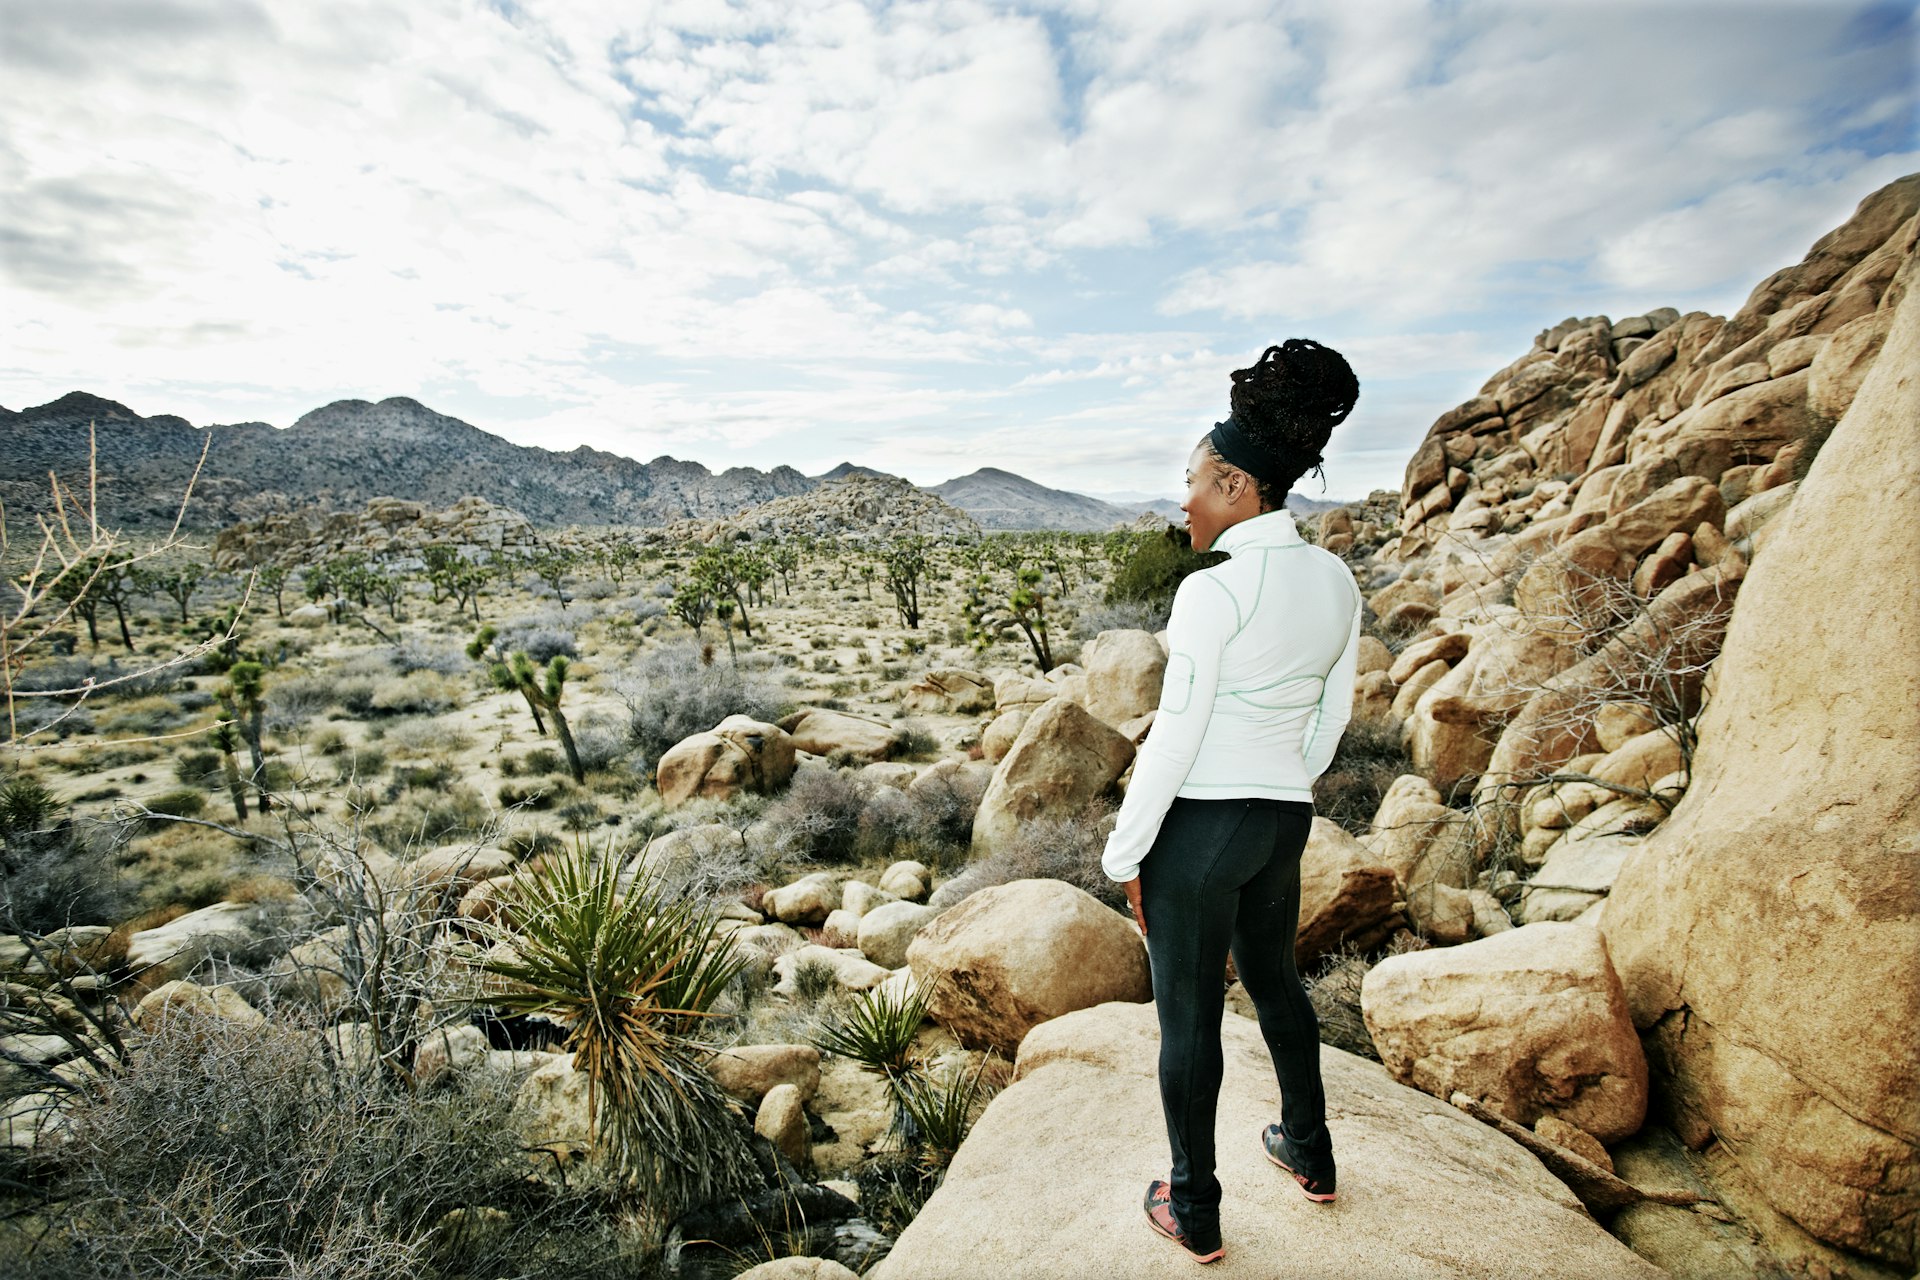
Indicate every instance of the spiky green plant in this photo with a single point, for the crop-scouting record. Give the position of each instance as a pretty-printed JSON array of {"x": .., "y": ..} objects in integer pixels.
[
  {"x": 632, "y": 972},
  {"x": 939, "y": 1109},
  {"x": 877, "y": 1030}
]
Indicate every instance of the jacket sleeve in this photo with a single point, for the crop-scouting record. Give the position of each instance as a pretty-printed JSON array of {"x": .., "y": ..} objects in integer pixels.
[
  {"x": 1204, "y": 615},
  {"x": 1329, "y": 719}
]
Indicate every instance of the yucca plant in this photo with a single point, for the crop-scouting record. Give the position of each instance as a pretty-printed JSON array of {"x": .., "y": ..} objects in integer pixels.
[
  {"x": 939, "y": 1108},
  {"x": 878, "y": 1028},
  {"x": 631, "y": 972}
]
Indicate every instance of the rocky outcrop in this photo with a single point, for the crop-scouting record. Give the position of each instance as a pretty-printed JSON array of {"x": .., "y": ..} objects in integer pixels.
[
  {"x": 1012, "y": 956},
  {"x": 1766, "y": 933},
  {"x": 1424, "y": 1190},
  {"x": 859, "y": 507},
  {"x": 1124, "y": 670},
  {"x": 386, "y": 529}
]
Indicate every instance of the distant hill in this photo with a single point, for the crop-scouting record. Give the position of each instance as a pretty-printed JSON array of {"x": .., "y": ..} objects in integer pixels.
[
  {"x": 343, "y": 454},
  {"x": 1002, "y": 500}
]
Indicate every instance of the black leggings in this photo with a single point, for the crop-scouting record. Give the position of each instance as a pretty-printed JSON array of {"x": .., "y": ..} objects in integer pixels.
[{"x": 1228, "y": 872}]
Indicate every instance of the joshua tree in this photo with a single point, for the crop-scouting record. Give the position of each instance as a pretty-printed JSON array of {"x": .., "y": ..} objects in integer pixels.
[
  {"x": 692, "y": 601},
  {"x": 551, "y": 565},
  {"x": 243, "y": 697},
  {"x": 542, "y": 688},
  {"x": 227, "y": 742},
  {"x": 455, "y": 576},
  {"x": 906, "y": 563},
  {"x": 274, "y": 578},
  {"x": 177, "y": 584},
  {"x": 477, "y": 649},
  {"x": 724, "y": 612},
  {"x": 79, "y": 593}
]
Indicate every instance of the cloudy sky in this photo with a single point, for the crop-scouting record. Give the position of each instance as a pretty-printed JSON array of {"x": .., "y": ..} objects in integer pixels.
[{"x": 927, "y": 237}]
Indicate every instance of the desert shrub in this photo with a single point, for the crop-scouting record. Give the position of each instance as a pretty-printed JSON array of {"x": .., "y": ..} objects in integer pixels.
[
  {"x": 54, "y": 871},
  {"x": 427, "y": 818},
  {"x": 1066, "y": 849},
  {"x": 182, "y": 803},
  {"x": 933, "y": 822},
  {"x": 420, "y": 693},
  {"x": 293, "y": 700},
  {"x": 415, "y": 653},
  {"x": 425, "y": 738},
  {"x": 354, "y": 695},
  {"x": 817, "y": 818},
  {"x": 541, "y": 760},
  {"x": 198, "y": 768},
  {"x": 277, "y": 1164},
  {"x": 580, "y": 815},
  {"x": 1153, "y": 567},
  {"x": 426, "y": 775},
  {"x": 917, "y": 743},
  {"x": 542, "y": 636},
  {"x": 1121, "y": 615},
  {"x": 183, "y": 864},
  {"x": 154, "y": 714},
  {"x": 1370, "y": 756},
  {"x": 327, "y": 742},
  {"x": 674, "y": 692},
  {"x": 600, "y": 740},
  {"x": 359, "y": 764}
]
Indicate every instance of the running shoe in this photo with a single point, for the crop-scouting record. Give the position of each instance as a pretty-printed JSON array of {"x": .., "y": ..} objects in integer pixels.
[
  {"x": 1160, "y": 1217},
  {"x": 1319, "y": 1190}
]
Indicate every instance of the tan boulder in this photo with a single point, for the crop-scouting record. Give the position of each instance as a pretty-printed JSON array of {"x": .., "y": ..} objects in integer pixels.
[
  {"x": 1124, "y": 671},
  {"x": 1571, "y": 1137},
  {"x": 949, "y": 691},
  {"x": 823, "y": 731},
  {"x": 748, "y": 1071},
  {"x": 1531, "y": 1022},
  {"x": 1449, "y": 648},
  {"x": 1372, "y": 656},
  {"x": 1013, "y": 955},
  {"x": 887, "y": 931},
  {"x": 1015, "y": 689},
  {"x": 181, "y": 998},
  {"x": 458, "y": 866},
  {"x": 1411, "y": 824},
  {"x": 998, "y": 737},
  {"x": 859, "y": 897},
  {"x": 840, "y": 929},
  {"x": 1408, "y": 696},
  {"x": 1641, "y": 761},
  {"x": 794, "y": 1268},
  {"x": 1062, "y": 759},
  {"x": 739, "y": 754},
  {"x": 1842, "y": 365},
  {"x": 1579, "y": 867},
  {"x": 803, "y": 901},
  {"x": 1616, "y": 723},
  {"x": 782, "y": 1120},
  {"x": 448, "y": 1052},
  {"x": 176, "y": 948},
  {"x": 1346, "y": 896},
  {"x": 1405, "y": 590},
  {"x": 851, "y": 970},
  {"x": 1424, "y": 1189},
  {"x": 907, "y": 880},
  {"x": 1766, "y": 932}
]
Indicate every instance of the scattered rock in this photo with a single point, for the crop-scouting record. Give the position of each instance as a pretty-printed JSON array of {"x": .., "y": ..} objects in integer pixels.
[
  {"x": 824, "y": 732},
  {"x": 1062, "y": 759},
  {"x": 949, "y": 691},
  {"x": 738, "y": 754},
  {"x": 782, "y": 1120},
  {"x": 748, "y": 1071}
]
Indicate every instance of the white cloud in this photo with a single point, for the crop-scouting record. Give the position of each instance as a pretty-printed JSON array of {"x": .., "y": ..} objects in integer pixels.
[{"x": 946, "y": 231}]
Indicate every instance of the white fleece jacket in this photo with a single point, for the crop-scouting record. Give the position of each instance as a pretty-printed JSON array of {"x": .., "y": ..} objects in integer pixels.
[{"x": 1259, "y": 682}]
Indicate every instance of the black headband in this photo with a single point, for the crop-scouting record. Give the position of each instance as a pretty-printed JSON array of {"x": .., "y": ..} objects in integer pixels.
[{"x": 1233, "y": 446}]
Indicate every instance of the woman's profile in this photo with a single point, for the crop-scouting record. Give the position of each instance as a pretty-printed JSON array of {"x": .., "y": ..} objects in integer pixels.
[{"x": 1258, "y": 688}]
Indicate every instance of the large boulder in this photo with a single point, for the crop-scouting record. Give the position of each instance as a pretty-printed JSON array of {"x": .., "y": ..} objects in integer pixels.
[
  {"x": 1532, "y": 1022},
  {"x": 888, "y": 930},
  {"x": 1424, "y": 1190},
  {"x": 1124, "y": 671},
  {"x": 1766, "y": 933},
  {"x": 738, "y": 754},
  {"x": 1062, "y": 759},
  {"x": 823, "y": 731},
  {"x": 1011, "y": 956},
  {"x": 1347, "y": 896}
]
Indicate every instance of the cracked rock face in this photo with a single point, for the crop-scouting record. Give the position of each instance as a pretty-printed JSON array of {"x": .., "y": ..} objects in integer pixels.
[{"x": 1766, "y": 933}]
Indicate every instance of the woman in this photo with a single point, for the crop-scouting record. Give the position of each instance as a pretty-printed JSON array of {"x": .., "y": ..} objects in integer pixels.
[{"x": 1258, "y": 687}]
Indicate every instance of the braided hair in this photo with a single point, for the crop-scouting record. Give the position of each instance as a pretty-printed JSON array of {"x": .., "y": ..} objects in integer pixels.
[{"x": 1285, "y": 407}]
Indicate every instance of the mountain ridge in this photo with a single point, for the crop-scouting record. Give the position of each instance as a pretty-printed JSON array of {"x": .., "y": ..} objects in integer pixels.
[{"x": 344, "y": 453}]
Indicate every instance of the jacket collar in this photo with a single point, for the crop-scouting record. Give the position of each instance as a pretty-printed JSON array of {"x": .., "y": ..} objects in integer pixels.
[{"x": 1268, "y": 529}]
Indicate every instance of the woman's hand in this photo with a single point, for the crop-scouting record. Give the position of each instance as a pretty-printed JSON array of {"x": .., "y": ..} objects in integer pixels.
[{"x": 1133, "y": 900}]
